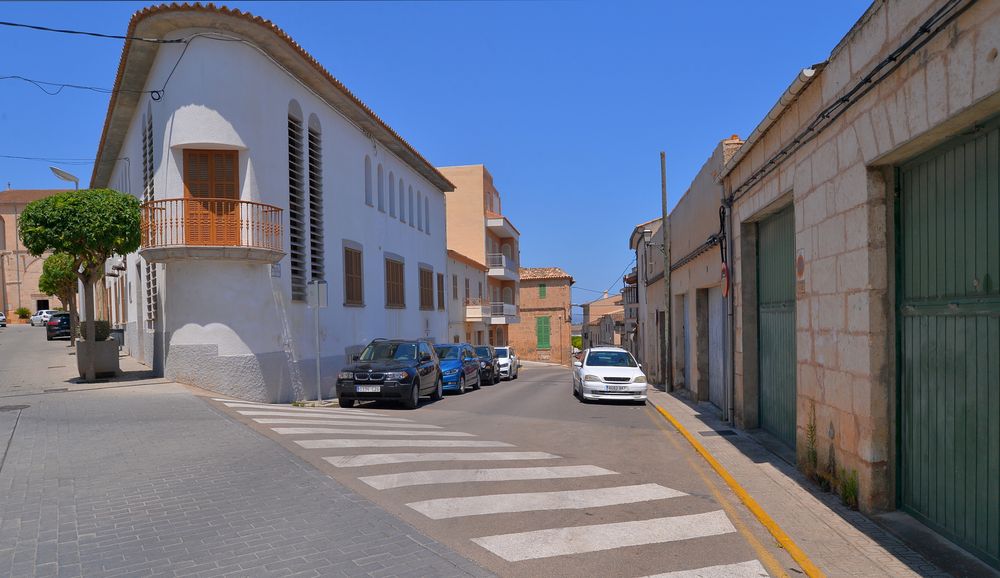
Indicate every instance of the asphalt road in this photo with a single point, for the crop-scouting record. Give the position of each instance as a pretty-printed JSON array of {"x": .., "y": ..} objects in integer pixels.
[{"x": 525, "y": 480}]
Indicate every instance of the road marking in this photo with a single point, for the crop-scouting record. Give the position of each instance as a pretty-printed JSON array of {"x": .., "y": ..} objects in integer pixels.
[
  {"x": 422, "y": 478},
  {"x": 751, "y": 569},
  {"x": 344, "y": 422},
  {"x": 339, "y": 443},
  {"x": 360, "y": 418},
  {"x": 320, "y": 410},
  {"x": 597, "y": 537},
  {"x": 379, "y": 459},
  {"x": 440, "y": 509},
  {"x": 372, "y": 432},
  {"x": 331, "y": 415}
]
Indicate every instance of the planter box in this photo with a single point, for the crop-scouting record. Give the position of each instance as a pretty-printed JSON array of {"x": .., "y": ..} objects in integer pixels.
[{"x": 104, "y": 353}]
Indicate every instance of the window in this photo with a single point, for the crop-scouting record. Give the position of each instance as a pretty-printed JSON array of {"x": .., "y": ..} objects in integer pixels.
[
  {"x": 316, "y": 250},
  {"x": 542, "y": 332},
  {"x": 402, "y": 203},
  {"x": 296, "y": 205},
  {"x": 392, "y": 194},
  {"x": 148, "y": 169},
  {"x": 426, "y": 288},
  {"x": 454, "y": 287},
  {"x": 410, "y": 191},
  {"x": 381, "y": 188},
  {"x": 420, "y": 212},
  {"x": 480, "y": 290},
  {"x": 541, "y": 291},
  {"x": 368, "y": 181},
  {"x": 427, "y": 216},
  {"x": 467, "y": 291},
  {"x": 395, "y": 295},
  {"x": 354, "y": 288},
  {"x": 441, "y": 291}
]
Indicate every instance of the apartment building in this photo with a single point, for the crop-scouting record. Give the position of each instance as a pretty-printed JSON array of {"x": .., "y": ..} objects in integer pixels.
[
  {"x": 650, "y": 347},
  {"x": 261, "y": 175},
  {"x": 19, "y": 271},
  {"x": 545, "y": 331},
  {"x": 479, "y": 232},
  {"x": 469, "y": 315}
]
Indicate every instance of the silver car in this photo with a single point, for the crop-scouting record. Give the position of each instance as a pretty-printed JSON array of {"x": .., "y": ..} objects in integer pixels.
[
  {"x": 41, "y": 317},
  {"x": 608, "y": 373},
  {"x": 510, "y": 364},
  {"x": 3, "y": 319}
]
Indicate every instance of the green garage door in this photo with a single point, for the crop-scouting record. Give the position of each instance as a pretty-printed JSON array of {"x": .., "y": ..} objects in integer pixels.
[
  {"x": 948, "y": 217},
  {"x": 776, "y": 319}
]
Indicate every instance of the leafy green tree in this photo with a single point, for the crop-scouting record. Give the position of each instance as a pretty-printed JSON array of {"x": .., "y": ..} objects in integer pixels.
[
  {"x": 59, "y": 278},
  {"x": 577, "y": 341},
  {"x": 90, "y": 225}
]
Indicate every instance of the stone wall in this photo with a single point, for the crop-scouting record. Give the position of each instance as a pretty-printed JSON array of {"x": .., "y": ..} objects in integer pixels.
[{"x": 556, "y": 306}]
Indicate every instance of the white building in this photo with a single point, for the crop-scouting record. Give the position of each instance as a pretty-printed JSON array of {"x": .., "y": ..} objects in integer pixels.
[{"x": 305, "y": 182}]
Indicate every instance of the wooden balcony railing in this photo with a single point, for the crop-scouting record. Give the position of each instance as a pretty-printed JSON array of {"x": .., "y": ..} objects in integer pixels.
[{"x": 211, "y": 223}]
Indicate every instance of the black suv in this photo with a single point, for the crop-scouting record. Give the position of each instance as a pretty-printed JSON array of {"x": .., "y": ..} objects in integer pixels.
[
  {"x": 489, "y": 365},
  {"x": 394, "y": 369},
  {"x": 57, "y": 326}
]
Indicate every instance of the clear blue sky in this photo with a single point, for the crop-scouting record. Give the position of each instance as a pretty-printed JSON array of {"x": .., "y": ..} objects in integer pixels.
[{"x": 567, "y": 103}]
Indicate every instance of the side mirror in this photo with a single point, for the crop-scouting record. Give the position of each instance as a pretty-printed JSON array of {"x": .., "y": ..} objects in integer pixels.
[
  {"x": 577, "y": 364},
  {"x": 425, "y": 358},
  {"x": 355, "y": 357}
]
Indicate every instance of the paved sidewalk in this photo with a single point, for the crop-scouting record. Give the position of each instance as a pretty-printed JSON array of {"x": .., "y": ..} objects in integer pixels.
[{"x": 841, "y": 541}]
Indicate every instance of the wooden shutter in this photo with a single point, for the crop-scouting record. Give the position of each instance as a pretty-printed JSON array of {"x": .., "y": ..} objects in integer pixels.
[
  {"x": 426, "y": 289},
  {"x": 211, "y": 185},
  {"x": 440, "y": 278},
  {"x": 394, "y": 287},
  {"x": 353, "y": 277},
  {"x": 542, "y": 332},
  {"x": 541, "y": 291}
]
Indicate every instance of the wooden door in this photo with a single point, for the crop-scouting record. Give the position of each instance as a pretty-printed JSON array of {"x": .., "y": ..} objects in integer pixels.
[{"x": 211, "y": 187}]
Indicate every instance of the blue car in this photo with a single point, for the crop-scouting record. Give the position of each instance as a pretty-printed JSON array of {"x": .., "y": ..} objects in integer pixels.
[{"x": 459, "y": 367}]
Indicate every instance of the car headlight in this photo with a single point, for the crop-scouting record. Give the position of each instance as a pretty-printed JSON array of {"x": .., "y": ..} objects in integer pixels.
[
  {"x": 639, "y": 379},
  {"x": 482, "y": 364},
  {"x": 449, "y": 372},
  {"x": 589, "y": 377},
  {"x": 345, "y": 375},
  {"x": 395, "y": 375}
]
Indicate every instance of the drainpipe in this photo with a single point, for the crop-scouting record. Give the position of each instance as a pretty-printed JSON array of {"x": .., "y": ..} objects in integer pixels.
[{"x": 730, "y": 319}]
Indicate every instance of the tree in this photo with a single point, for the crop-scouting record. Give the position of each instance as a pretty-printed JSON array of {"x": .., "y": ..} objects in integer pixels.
[
  {"x": 89, "y": 225},
  {"x": 577, "y": 341},
  {"x": 59, "y": 278}
]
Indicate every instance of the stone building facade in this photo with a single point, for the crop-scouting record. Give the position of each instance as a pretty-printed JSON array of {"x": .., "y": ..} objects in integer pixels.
[
  {"x": 864, "y": 243},
  {"x": 544, "y": 333},
  {"x": 19, "y": 271}
]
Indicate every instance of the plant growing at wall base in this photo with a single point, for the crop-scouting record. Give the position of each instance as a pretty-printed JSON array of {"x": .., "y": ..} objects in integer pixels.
[
  {"x": 90, "y": 225},
  {"x": 22, "y": 312},
  {"x": 59, "y": 278},
  {"x": 812, "y": 455},
  {"x": 848, "y": 487}
]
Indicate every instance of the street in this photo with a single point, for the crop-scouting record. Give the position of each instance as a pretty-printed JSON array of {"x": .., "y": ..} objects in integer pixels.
[{"x": 146, "y": 477}]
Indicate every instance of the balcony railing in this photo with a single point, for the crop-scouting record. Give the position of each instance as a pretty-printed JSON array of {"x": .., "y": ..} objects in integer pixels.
[
  {"x": 211, "y": 223},
  {"x": 503, "y": 309}
]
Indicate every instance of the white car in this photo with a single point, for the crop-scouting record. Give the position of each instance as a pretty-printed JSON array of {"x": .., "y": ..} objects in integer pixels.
[
  {"x": 41, "y": 317},
  {"x": 3, "y": 319},
  {"x": 608, "y": 373},
  {"x": 510, "y": 364}
]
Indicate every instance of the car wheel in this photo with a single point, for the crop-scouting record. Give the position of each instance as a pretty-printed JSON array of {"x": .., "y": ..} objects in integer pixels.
[
  {"x": 461, "y": 385},
  {"x": 496, "y": 377},
  {"x": 479, "y": 381},
  {"x": 438, "y": 394},
  {"x": 345, "y": 402},
  {"x": 48, "y": 338},
  {"x": 414, "y": 399}
]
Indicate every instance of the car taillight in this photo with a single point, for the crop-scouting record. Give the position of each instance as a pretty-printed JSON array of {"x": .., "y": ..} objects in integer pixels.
[{"x": 53, "y": 323}]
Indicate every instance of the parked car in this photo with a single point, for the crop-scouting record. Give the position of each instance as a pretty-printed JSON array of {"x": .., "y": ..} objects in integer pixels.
[
  {"x": 459, "y": 367},
  {"x": 489, "y": 365},
  {"x": 391, "y": 369},
  {"x": 608, "y": 373},
  {"x": 3, "y": 319},
  {"x": 41, "y": 317},
  {"x": 57, "y": 325},
  {"x": 508, "y": 362}
]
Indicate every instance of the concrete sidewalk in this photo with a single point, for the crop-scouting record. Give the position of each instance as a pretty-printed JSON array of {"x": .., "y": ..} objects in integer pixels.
[{"x": 840, "y": 541}]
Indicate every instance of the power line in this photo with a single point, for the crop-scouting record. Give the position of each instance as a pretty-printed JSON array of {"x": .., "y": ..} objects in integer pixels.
[
  {"x": 58, "y": 86},
  {"x": 86, "y": 33},
  {"x": 58, "y": 161}
]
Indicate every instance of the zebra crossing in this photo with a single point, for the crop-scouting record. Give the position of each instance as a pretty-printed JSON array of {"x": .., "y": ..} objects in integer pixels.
[{"x": 359, "y": 440}]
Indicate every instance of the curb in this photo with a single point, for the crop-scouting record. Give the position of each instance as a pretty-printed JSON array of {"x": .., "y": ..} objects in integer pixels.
[{"x": 772, "y": 527}]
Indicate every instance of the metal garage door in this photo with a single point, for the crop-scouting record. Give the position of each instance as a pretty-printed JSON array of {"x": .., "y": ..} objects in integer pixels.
[
  {"x": 686, "y": 332},
  {"x": 776, "y": 319},
  {"x": 948, "y": 218},
  {"x": 716, "y": 347}
]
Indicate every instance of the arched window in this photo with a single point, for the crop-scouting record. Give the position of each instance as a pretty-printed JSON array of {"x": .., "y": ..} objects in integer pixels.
[
  {"x": 420, "y": 211},
  {"x": 402, "y": 202},
  {"x": 427, "y": 216},
  {"x": 368, "y": 181},
  {"x": 410, "y": 194},
  {"x": 381, "y": 189},
  {"x": 392, "y": 194}
]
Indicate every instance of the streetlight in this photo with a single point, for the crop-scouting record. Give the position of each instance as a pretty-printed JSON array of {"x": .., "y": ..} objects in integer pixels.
[{"x": 66, "y": 176}]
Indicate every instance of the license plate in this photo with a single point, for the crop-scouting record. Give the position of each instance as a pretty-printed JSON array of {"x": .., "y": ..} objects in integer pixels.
[
  {"x": 616, "y": 387},
  {"x": 369, "y": 388}
]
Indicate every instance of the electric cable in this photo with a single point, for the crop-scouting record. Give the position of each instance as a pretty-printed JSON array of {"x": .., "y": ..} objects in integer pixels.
[{"x": 86, "y": 33}]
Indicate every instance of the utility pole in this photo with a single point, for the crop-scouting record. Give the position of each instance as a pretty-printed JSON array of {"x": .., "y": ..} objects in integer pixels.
[{"x": 668, "y": 365}]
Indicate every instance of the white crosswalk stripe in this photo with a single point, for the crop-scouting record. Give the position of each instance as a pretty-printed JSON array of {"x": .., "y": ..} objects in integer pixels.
[
  {"x": 362, "y": 443},
  {"x": 281, "y": 407},
  {"x": 537, "y": 501},
  {"x": 301, "y": 431},
  {"x": 354, "y": 461},
  {"x": 300, "y": 414},
  {"x": 343, "y": 422},
  {"x": 598, "y": 537},
  {"x": 751, "y": 569},
  {"x": 422, "y": 478}
]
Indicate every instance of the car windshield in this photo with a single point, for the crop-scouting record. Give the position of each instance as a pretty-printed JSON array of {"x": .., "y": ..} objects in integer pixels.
[
  {"x": 502, "y": 352},
  {"x": 385, "y": 351},
  {"x": 611, "y": 359},
  {"x": 483, "y": 351},
  {"x": 448, "y": 352}
]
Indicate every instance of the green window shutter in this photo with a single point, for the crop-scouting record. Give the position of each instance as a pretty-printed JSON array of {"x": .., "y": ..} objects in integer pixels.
[
  {"x": 541, "y": 291},
  {"x": 542, "y": 332}
]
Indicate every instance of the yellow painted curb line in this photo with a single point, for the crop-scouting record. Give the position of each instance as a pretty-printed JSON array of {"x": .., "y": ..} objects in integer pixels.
[{"x": 786, "y": 542}]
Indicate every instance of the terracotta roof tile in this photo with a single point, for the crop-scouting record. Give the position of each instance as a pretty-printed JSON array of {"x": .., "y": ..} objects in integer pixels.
[{"x": 544, "y": 273}]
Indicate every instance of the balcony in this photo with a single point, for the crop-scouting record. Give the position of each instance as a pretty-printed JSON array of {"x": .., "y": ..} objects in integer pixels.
[
  {"x": 502, "y": 267},
  {"x": 503, "y": 313},
  {"x": 500, "y": 226},
  {"x": 477, "y": 311},
  {"x": 215, "y": 229}
]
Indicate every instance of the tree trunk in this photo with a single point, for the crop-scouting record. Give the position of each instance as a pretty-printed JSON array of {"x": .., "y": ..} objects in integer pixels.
[
  {"x": 74, "y": 318},
  {"x": 89, "y": 334}
]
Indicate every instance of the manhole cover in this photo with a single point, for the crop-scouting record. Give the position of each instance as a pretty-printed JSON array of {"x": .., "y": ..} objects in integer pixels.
[
  {"x": 13, "y": 407},
  {"x": 56, "y": 390}
]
